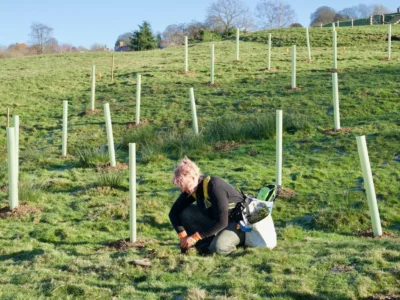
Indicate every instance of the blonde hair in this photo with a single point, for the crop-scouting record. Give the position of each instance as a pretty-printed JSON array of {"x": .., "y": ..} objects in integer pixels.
[{"x": 186, "y": 171}]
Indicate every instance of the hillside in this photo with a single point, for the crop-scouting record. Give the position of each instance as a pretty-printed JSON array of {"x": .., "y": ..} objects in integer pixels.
[
  {"x": 321, "y": 37},
  {"x": 69, "y": 245}
]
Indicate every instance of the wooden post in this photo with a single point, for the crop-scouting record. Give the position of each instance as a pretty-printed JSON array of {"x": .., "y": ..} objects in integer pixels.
[
  {"x": 269, "y": 51},
  {"x": 212, "y": 65},
  {"x": 112, "y": 68},
  {"x": 186, "y": 55},
  {"x": 8, "y": 117},
  {"x": 389, "y": 41},
  {"x": 237, "y": 44}
]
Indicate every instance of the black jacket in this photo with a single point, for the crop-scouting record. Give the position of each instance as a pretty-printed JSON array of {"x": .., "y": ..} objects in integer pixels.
[{"x": 221, "y": 194}]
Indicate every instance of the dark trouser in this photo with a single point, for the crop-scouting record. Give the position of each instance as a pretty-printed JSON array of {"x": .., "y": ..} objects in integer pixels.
[{"x": 224, "y": 242}]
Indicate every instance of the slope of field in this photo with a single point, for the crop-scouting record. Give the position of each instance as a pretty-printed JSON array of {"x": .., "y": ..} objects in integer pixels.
[{"x": 67, "y": 241}]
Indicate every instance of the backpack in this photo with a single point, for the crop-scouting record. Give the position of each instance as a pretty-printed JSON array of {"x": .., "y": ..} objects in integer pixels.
[
  {"x": 267, "y": 194},
  {"x": 256, "y": 219}
]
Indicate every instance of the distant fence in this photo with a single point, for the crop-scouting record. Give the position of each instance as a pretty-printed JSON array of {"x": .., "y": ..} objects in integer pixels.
[{"x": 372, "y": 20}]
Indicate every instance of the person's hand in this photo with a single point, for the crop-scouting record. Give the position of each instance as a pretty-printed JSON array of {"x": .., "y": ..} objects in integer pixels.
[
  {"x": 191, "y": 240},
  {"x": 183, "y": 237}
]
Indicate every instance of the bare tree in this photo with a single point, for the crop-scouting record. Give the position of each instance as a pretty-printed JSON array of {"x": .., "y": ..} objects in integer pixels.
[
  {"x": 226, "y": 14},
  {"x": 246, "y": 22},
  {"x": 123, "y": 40},
  {"x": 323, "y": 14},
  {"x": 97, "y": 47},
  {"x": 174, "y": 34},
  {"x": 274, "y": 14},
  {"x": 356, "y": 12},
  {"x": 194, "y": 30},
  {"x": 377, "y": 9},
  {"x": 41, "y": 35}
]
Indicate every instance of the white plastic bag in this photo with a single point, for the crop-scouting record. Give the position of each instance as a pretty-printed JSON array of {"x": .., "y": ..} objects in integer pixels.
[{"x": 262, "y": 233}]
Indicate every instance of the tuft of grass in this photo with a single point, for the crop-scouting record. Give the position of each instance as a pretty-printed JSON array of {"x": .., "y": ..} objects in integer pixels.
[
  {"x": 140, "y": 135},
  {"x": 318, "y": 249},
  {"x": 90, "y": 156},
  {"x": 223, "y": 129},
  {"x": 29, "y": 192},
  {"x": 186, "y": 143},
  {"x": 34, "y": 159},
  {"x": 259, "y": 127},
  {"x": 293, "y": 122},
  {"x": 111, "y": 179},
  {"x": 346, "y": 220}
]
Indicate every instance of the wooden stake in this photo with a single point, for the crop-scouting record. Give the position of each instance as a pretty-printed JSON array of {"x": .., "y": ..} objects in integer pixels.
[
  {"x": 112, "y": 68},
  {"x": 8, "y": 117}
]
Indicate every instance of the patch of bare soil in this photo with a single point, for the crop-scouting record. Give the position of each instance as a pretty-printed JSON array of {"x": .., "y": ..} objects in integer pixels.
[
  {"x": 366, "y": 92},
  {"x": 333, "y": 131},
  {"x": 66, "y": 156},
  {"x": 309, "y": 60},
  {"x": 286, "y": 193},
  {"x": 21, "y": 210},
  {"x": 145, "y": 262},
  {"x": 302, "y": 142},
  {"x": 270, "y": 70},
  {"x": 90, "y": 112},
  {"x": 252, "y": 152},
  {"x": 186, "y": 73},
  {"x": 226, "y": 146},
  {"x": 108, "y": 169},
  {"x": 387, "y": 59},
  {"x": 342, "y": 269},
  {"x": 370, "y": 234},
  {"x": 384, "y": 297},
  {"x": 23, "y": 127},
  {"x": 296, "y": 89},
  {"x": 132, "y": 124},
  {"x": 122, "y": 245},
  {"x": 334, "y": 70},
  {"x": 212, "y": 84}
]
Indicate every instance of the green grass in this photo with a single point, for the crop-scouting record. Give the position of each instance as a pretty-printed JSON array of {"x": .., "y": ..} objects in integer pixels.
[{"x": 62, "y": 251}]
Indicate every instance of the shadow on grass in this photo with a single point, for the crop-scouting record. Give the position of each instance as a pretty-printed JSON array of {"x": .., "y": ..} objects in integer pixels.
[
  {"x": 221, "y": 290},
  {"x": 22, "y": 255}
]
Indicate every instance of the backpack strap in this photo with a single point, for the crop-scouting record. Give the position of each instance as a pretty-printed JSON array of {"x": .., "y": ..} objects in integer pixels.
[
  {"x": 207, "y": 201},
  {"x": 205, "y": 188}
]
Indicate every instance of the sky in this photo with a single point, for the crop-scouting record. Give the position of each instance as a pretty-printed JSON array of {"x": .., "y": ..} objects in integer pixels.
[{"x": 88, "y": 22}]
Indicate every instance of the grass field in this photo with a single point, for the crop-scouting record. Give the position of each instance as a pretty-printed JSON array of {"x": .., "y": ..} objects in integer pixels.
[{"x": 65, "y": 242}]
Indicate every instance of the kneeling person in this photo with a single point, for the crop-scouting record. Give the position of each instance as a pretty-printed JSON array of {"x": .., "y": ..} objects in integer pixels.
[{"x": 201, "y": 214}]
